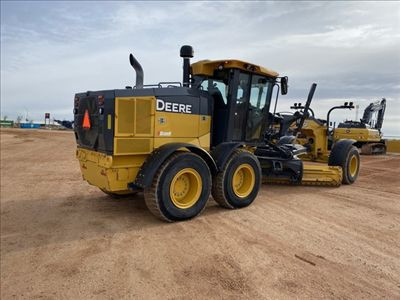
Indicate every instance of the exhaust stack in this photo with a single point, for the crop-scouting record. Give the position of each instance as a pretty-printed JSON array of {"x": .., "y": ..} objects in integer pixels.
[
  {"x": 139, "y": 71},
  {"x": 186, "y": 54}
]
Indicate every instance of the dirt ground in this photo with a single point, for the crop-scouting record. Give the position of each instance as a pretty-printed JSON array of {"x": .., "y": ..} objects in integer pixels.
[{"x": 61, "y": 238}]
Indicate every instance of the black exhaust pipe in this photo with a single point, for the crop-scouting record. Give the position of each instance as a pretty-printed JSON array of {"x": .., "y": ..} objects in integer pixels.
[
  {"x": 186, "y": 54},
  {"x": 139, "y": 71}
]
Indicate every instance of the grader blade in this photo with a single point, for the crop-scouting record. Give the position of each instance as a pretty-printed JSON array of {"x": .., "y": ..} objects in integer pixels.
[
  {"x": 319, "y": 174},
  {"x": 314, "y": 174}
]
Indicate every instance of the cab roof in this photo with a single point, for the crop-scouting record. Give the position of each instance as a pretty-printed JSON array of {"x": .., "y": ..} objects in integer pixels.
[{"x": 207, "y": 67}]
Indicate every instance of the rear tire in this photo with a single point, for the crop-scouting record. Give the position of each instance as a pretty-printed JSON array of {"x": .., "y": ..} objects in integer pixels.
[
  {"x": 347, "y": 157},
  {"x": 238, "y": 183},
  {"x": 180, "y": 188}
]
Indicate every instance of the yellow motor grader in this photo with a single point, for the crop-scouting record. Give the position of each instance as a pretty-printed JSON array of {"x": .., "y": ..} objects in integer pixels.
[
  {"x": 181, "y": 142},
  {"x": 315, "y": 135}
]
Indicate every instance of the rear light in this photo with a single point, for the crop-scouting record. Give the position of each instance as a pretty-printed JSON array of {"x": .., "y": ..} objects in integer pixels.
[
  {"x": 100, "y": 100},
  {"x": 86, "y": 120},
  {"x": 76, "y": 101}
]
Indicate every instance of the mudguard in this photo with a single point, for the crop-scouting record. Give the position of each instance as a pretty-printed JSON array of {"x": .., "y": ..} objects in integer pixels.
[{"x": 149, "y": 168}]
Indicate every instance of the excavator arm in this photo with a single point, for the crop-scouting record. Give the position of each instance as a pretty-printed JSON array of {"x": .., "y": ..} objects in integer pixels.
[{"x": 374, "y": 114}]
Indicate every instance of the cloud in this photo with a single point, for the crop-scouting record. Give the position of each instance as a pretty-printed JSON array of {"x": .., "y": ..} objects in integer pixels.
[{"x": 49, "y": 51}]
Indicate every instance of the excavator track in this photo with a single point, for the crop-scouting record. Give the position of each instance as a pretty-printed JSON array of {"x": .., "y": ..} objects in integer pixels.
[{"x": 373, "y": 149}]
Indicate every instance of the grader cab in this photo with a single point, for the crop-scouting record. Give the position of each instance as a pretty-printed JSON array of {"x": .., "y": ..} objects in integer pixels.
[{"x": 179, "y": 143}]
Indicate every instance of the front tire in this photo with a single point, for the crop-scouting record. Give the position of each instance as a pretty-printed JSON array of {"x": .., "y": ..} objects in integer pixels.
[
  {"x": 347, "y": 157},
  {"x": 180, "y": 188},
  {"x": 238, "y": 183}
]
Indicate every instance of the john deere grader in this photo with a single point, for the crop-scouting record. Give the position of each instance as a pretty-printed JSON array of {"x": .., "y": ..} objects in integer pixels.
[{"x": 179, "y": 143}]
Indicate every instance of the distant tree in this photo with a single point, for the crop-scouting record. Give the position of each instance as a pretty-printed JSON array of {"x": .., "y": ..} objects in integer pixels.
[
  {"x": 19, "y": 119},
  {"x": 5, "y": 118}
]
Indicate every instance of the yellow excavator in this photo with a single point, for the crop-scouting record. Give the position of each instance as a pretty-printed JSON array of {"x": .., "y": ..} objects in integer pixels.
[
  {"x": 180, "y": 142},
  {"x": 367, "y": 132}
]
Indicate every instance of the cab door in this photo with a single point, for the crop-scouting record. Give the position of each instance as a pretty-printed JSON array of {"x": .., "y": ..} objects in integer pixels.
[
  {"x": 250, "y": 107},
  {"x": 258, "y": 107},
  {"x": 240, "y": 106}
]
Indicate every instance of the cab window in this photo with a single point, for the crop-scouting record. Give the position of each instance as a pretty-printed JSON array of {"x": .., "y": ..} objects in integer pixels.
[
  {"x": 216, "y": 88},
  {"x": 257, "y": 105}
]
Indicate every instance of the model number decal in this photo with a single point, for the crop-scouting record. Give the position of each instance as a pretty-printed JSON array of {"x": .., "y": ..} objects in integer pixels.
[{"x": 173, "y": 107}]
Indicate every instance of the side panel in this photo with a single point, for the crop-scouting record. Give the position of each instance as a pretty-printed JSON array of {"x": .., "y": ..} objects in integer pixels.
[
  {"x": 358, "y": 134},
  {"x": 110, "y": 173},
  {"x": 176, "y": 125},
  {"x": 134, "y": 130}
]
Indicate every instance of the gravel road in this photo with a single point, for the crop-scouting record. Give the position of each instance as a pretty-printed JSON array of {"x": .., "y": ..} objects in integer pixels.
[{"x": 61, "y": 238}]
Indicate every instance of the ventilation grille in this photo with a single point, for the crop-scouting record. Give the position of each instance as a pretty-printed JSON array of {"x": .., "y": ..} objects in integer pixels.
[
  {"x": 126, "y": 116},
  {"x": 134, "y": 116},
  {"x": 143, "y": 116}
]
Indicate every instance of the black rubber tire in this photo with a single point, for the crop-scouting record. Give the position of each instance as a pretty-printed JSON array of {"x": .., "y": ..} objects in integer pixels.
[
  {"x": 157, "y": 196},
  {"x": 222, "y": 190},
  {"x": 341, "y": 156},
  {"x": 118, "y": 196}
]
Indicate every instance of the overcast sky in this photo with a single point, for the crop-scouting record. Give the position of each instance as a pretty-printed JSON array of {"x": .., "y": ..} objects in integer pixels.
[{"x": 51, "y": 50}]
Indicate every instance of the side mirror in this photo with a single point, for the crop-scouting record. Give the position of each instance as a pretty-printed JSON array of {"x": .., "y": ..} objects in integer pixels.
[{"x": 284, "y": 85}]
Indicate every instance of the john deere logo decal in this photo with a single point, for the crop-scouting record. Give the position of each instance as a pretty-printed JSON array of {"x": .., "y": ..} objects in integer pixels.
[{"x": 173, "y": 107}]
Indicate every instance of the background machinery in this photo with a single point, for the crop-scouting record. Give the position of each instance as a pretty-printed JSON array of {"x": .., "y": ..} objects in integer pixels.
[
  {"x": 367, "y": 131},
  {"x": 179, "y": 143}
]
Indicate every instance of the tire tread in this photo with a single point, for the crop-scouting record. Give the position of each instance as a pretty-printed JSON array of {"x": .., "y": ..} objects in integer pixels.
[{"x": 217, "y": 190}]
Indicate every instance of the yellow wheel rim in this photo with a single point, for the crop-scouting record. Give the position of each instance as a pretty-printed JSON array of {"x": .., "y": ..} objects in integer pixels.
[
  {"x": 243, "y": 180},
  {"x": 353, "y": 165},
  {"x": 185, "y": 188}
]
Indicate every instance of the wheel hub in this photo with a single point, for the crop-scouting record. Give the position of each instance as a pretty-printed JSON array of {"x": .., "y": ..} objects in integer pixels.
[
  {"x": 185, "y": 188},
  {"x": 243, "y": 180}
]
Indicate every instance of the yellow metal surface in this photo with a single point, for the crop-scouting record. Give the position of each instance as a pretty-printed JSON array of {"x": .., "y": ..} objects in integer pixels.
[
  {"x": 134, "y": 120},
  {"x": 320, "y": 174},
  {"x": 315, "y": 174},
  {"x": 134, "y": 116},
  {"x": 204, "y": 141},
  {"x": 132, "y": 146},
  {"x": 243, "y": 180},
  {"x": 110, "y": 173},
  {"x": 358, "y": 134},
  {"x": 185, "y": 188},
  {"x": 204, "y": 125},
  {"x": 313, "y": 134},
  {"x": 176, "y": 125},
  {"x": 207, "y": 67},
  {"x": 393, "y": 146},
  {"x": 187, "y": 128}
]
